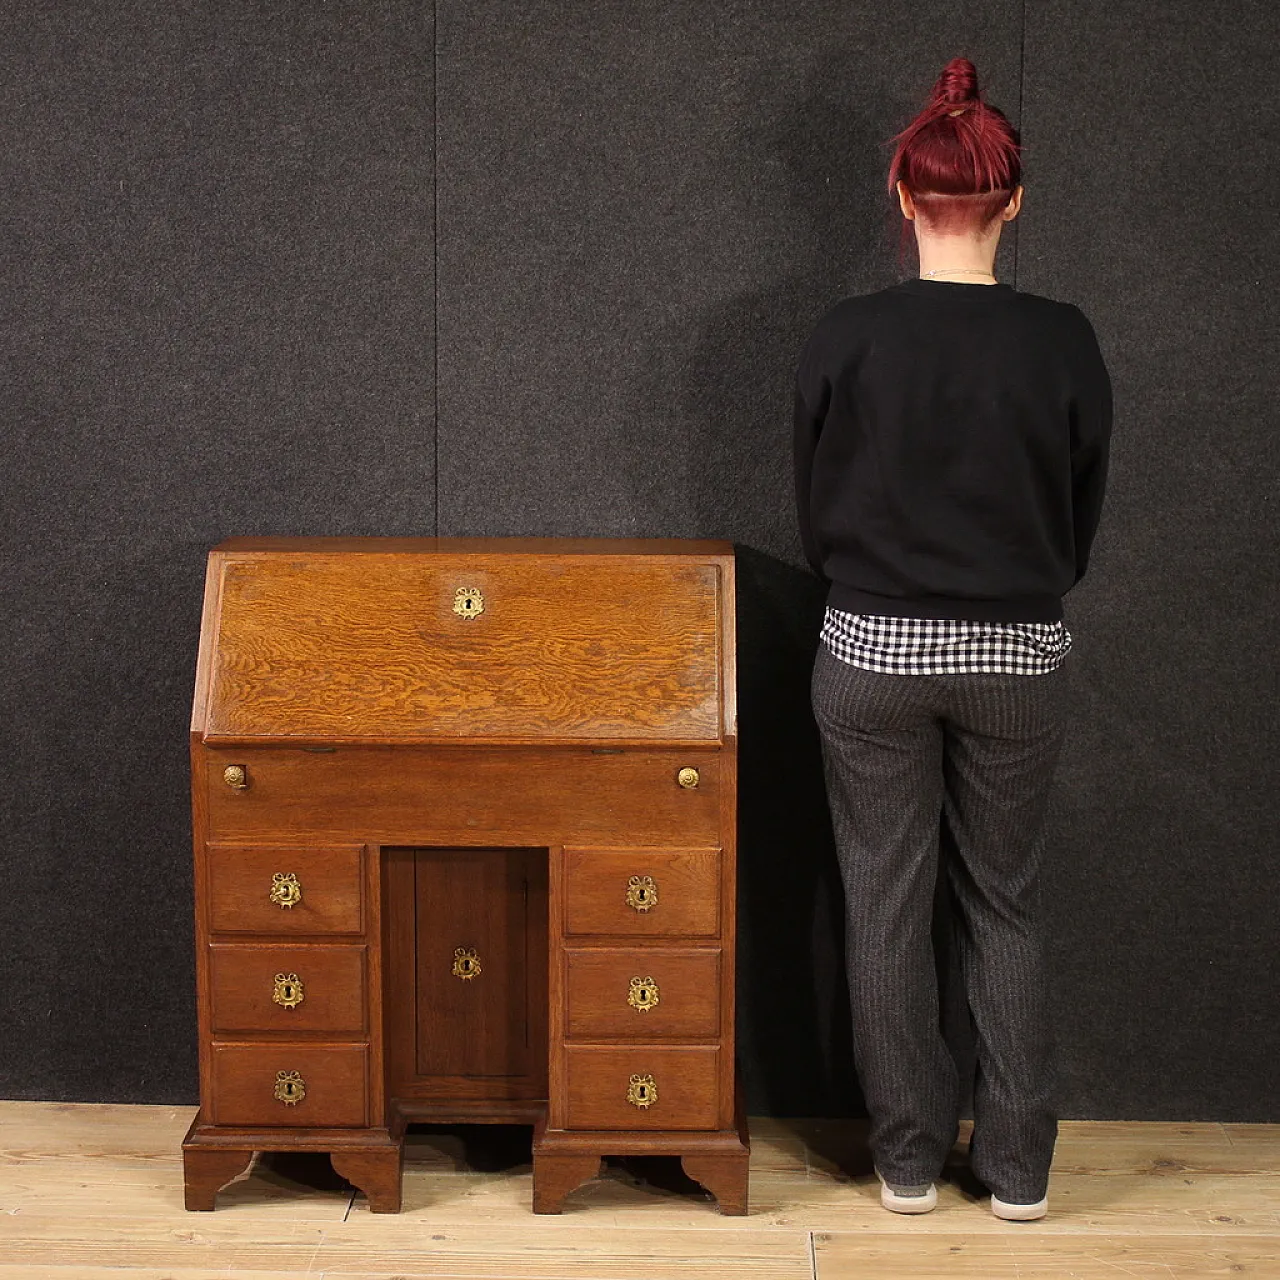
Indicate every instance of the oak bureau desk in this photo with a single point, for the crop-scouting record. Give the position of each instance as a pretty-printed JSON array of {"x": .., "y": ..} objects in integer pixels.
[{"x": 464, "y": 816}]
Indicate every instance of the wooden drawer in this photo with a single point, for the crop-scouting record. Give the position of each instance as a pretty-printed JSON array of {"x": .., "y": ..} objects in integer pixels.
[
  {"x": 606, "y": 892},
  {"x": 334, "y": 1082},
  {"x": 287, "y": 989},
  {"x": 241, "y": 879},
  {"x": 500, "y": 796},
  {"x": 598, "y": 1082},
  {"x": 611, "y": 993}
]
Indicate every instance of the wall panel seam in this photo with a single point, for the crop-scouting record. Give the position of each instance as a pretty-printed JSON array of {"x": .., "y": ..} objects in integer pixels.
[
  {"x": 1022, "y": 80},
  {"x": 435, "y": 265}
]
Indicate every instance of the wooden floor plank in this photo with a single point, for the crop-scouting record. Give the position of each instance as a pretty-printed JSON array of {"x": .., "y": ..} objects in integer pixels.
[
  {"x": 1023, "y": 1255},
  {"x": 580, "y": 1267},
  {"x": 128, "y": 1190},
  {"x": 1113, "y": 1146},
  {"x": 1254, "y": 1146},
  {"x": 539, "y": 1249},
  {"x": 208, "y": 1240},
  {"x": 30, "y": 1271},
  {"x": 87, "y": 1129},
  {"x": 520, "y": 1266}
]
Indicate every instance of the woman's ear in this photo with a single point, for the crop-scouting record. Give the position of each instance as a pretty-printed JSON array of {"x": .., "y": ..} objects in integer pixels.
[
  {"x": 1012, "y": 209},
  {"x": 905, "y": 201}
]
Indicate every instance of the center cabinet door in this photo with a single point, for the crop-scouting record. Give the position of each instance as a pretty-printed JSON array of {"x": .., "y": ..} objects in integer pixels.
[{"x": 468, "y": 935}]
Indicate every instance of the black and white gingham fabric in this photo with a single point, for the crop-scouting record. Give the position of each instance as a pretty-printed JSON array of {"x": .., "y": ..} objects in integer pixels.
[{"x": 944, "y": 646}]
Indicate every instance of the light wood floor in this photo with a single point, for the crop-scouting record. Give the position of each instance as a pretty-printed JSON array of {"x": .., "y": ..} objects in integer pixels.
[{"x": 91, "y": 1192}]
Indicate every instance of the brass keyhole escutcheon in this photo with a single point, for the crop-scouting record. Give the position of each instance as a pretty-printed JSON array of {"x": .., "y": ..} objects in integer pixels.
[
  {"x": 468, "y": 602},
  {"x": 235, "y": 777},
  {"x": 643, "y": 995},
  {"x": 290, "y": 1088},
  {"x": 688, "y": 777},
  {"x": 288, "y": 991},
  {"x": 642, "y": 893},
  {"x": 642, "y": 1092},
  {"x": 466, "y": 964},
  {"x": 285, "y": 889}
]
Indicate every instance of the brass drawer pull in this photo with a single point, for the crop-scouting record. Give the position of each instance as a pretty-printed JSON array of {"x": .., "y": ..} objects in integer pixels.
[
  {"x": 290, "y": 1088},
  {"x": 288, "y": 992},
  {"x": 642, "y": 1092},
  {"x": 285, "y": 889},
  {"x": 643, "y": 995},
  {"x": 236, "y": 777},
  {"x": 642, "y": 893},
  {"x": 466, "y": 964},
  {"x": 468, "y": 602},
  {"x": 688, "y": 777}
]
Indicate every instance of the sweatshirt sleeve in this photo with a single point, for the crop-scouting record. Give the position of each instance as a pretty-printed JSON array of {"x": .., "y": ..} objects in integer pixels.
[
  {"x": 1091, "y": 409},
  {"x": 812, "y": 396}
]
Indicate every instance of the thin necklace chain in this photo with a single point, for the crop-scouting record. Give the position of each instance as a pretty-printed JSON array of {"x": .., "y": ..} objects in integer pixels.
[{"x": 956, "y": 271}]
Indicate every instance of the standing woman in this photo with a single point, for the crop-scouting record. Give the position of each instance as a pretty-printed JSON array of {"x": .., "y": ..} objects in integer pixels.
[{"x": 951, "y": 440}]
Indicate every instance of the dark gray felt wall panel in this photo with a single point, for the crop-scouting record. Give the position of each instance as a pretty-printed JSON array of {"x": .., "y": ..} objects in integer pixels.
[
  {"x": 643, "y": 209},
  {"x": 216, "y": 318},
  {"x": 1152, "y": 133}
]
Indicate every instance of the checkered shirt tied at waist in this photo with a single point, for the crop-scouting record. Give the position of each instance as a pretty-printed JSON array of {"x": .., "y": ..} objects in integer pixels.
[{"x": 944, "y": 646}]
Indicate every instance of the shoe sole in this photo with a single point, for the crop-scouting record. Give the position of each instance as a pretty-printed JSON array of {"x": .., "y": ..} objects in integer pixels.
[
  {"x": 907, "y": 1204},
  {"x": 1019, "y": 1212}
]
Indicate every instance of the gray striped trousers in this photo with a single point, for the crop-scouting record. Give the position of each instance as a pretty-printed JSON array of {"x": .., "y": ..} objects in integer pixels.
[{"x": 899, "y": 754}]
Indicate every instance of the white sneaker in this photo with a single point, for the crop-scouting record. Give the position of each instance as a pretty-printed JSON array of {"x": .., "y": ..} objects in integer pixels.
[
  {"x": 1019, "y": 1212},
  {"x": 899, "y": 1199}
]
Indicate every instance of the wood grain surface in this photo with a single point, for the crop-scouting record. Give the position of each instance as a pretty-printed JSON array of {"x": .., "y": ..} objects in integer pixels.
[
  {"x": 439, "y": 1026},
  {"x": 687, "y": 882},
  {"x": 597, "y": 1078},
  {"x": 242, "y": 984},
  {"x": 334, "y": 646},
  {"x": 335, "y": 1078},
  {"x": 492, "y": 902},
  {"x": 598, "y": 984},
  {"x": 450, "y": 796},
  {"x": 240, "y": 879},
  {"x": 653, "y": 548}
]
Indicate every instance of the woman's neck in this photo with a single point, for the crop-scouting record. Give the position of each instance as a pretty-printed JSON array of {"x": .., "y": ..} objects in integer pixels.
[{"x": 961, "y": 259}]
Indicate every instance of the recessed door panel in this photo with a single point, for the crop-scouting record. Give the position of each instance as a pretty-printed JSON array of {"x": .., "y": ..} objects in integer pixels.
[{"x": 468, "y": 964}]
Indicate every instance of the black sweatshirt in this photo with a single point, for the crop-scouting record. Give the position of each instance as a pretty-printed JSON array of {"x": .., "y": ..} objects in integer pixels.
[{"x": 951, "y": 451}]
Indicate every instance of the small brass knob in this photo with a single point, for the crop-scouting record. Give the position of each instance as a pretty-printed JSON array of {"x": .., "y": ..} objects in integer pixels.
[
  {"x": 285, "y": 889},
  {"x": 687, "y": 777},
  {"x": 235, "y": 777},
  {"x": 288, "y": 992},
  {"x": 642, "y": 1091},
  {"x": 642, "y": 893},
  {"x": 643, "y": 995},
  {"x": 466, "y": 964},
  {"x": 290, "y": 1088}
]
